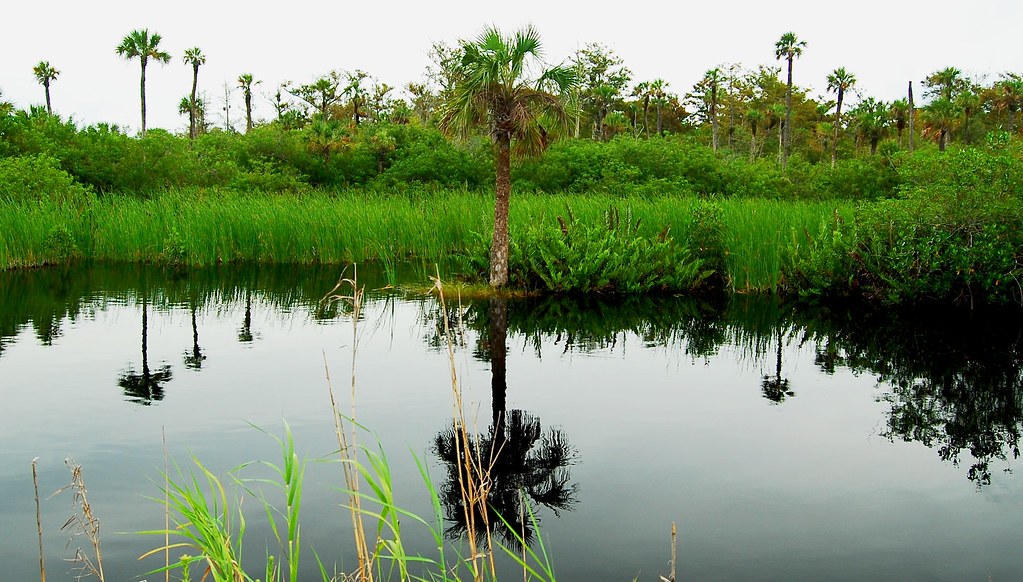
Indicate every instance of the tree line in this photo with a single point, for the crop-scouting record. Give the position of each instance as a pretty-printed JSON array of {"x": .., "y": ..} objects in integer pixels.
[{"x": 758, "y": 111}]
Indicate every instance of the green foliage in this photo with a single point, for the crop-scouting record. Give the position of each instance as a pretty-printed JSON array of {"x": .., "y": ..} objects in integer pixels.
[
  {"x": 35, "y": 178},
  {"x": 606, "y": 257}
]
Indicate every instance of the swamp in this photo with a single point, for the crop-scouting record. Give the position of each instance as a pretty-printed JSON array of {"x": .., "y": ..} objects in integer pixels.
[{"x": 786, "y": 442}]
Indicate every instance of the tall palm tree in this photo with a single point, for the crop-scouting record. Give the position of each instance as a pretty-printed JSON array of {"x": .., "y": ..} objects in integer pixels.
[
  {"x": 946, "y": 83},
  {"x": 246, "y": 82},
  {"x": 712, "y": 84},
  {"x": 194, "y": 57},
  {"x": 659, "y": 95},
  {"x": 642, "y": 91},
  {"x": 839, "y": 81},
  {"x": 44, "y": 74},
  {"x": 141, "y": 45},
  {"x": 491, "y": 91},
  {"x": 788, "y": 47}
]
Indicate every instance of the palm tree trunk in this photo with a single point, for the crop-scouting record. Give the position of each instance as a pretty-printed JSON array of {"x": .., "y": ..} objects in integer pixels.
[
  {"x": 248, "y": 111},
  {"x": 646, "y": 116},
  {"x": 753, "y": 143},
  {"x": 658, "y": 118},
  {"x": 912, "y": 115},
  {"x": 787, "y": 128},
  {"x": 142, "y": 93},
  {"x": 191, "y": 106},
  {"x": 714, "y": 126},
  {"x": 838, "y": 123},
  {"x": 46, "y": 86},
  {"x": 498, "y": 339},
  {"x": 502, "y": 190}
]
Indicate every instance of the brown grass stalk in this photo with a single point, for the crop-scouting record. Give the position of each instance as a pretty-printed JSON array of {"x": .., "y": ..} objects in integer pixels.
[
  {"x": 39, "y": 520},
  {"x": 82, "y": 522}
]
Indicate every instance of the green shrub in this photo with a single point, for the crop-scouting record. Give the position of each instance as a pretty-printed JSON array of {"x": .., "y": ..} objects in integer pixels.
[{"x": 607, "y": 257}]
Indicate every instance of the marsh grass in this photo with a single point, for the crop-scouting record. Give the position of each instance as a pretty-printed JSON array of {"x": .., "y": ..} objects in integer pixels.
[{"x": 746, "y": 238}]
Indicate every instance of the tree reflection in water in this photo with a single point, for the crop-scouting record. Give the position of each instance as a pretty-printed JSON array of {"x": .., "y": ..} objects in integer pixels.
[
  {"x": 776, "y": 388},
  {"x": 147, "y": 386},
  {"x": 524, "y": 462}
]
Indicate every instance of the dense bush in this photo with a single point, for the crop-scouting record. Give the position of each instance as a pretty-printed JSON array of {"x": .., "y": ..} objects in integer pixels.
[
  {"x": 27, "y": 178},
  {"x": 954, "y": 234}
]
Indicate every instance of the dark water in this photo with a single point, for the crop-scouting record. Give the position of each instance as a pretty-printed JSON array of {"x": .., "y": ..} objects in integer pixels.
[{"x": 787, "y": 444}]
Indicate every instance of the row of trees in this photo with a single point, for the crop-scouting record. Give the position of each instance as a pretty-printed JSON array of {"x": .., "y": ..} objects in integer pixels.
[{"x": 754, "y": 107}]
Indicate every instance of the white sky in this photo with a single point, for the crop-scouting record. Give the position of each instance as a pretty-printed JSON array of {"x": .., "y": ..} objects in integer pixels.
[{"x": 884, "y": 43}]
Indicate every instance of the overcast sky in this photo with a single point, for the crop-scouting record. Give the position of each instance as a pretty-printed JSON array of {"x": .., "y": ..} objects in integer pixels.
[{"x": 884, "y": 43}]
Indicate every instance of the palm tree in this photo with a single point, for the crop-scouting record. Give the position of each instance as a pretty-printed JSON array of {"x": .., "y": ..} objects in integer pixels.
[
  {"x": 194, "y": 57},
  {"x": 789, "y": 48},
  {"x": 946, "y": 83},
  {"x": 44, "y": 74},
  {"x": 642, "y": 90},
  {"x": 839, "y": 81},
  {"x": 245, "y": 82},
  {"x": 898, "y": 112},
  {"x": 939, "y": 118},
  {"x": 141, "y": 45},
  {"x": 871, "y": 120},
  {"x": 711, "y": 84},
  {"x": 659, "y": 95},
  {"x": 491, "y": 91},
  {"x": 776, "y": 388},
  {"x": 146, "y": 386}
]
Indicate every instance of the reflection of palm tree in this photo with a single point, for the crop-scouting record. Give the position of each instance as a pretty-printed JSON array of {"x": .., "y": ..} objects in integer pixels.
[
  {"x": 520, "y": 457},
  {"x": 194, "y": 358},
  {"x": 775, "y": 388},
  {"x": 245, "y": 333},
  {"x": 144, "y": 387}
]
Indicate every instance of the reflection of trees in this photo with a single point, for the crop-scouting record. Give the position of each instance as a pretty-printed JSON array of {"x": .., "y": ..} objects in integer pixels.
[
  {"x": 522, "y": 459},
  {"x": 245, "y": 333},
  {"x": 953, "y": 380},
  {"x": 195, "y": 357},
  {"x": 775, "y": 388},
  {"x": 147, "y": 386}
]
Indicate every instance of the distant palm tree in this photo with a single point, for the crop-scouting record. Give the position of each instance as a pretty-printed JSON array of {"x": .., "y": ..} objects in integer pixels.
[
  {"x": 898, "y": 112},
  {"x": 141, "y": 45},
  {"x": 659, "y": 94},
  {"x": 946, "y": 83},
  {"x": 642, "y": 90},
  {"x": 939, "y": 118},
  {"x": 712, "y": 83},
  {"x": 839, "y": 81},
  {"x": 491, "y": 91},
  {"x": 871, "y": 120},
  {"x": 788, "y": 47},
  {"x": 44, "y": 73},
  {"x": 194, "y": 57},
  {"x": 245, "y": 82}
]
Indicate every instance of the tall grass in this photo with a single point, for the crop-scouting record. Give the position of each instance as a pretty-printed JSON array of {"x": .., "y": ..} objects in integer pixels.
[{"x": 205, "y": 227}]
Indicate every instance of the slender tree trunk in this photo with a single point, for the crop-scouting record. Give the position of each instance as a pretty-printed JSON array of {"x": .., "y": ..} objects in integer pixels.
[
  {"x": 502, "y": 188},
  {"x": 659, "y": 132},
  {"x": 838, "y": 124},
  {"x": 942, "y": 138},
  {"x": 873, "y": 145},
  {"x": 646, "y": 116},
  {"x": 192, "y": 133},
  {"x": 912, "y": 118},
  {"x": 781, "y": 144},
  {"x": 142, "y": 92},
  {"x": 786, "y": 129},
  {"x": 248, "y": 111},
  {"x": 46, "y": 86},
  {"x": 714, "y": 120},
  {"x": 753, "y": 143}
]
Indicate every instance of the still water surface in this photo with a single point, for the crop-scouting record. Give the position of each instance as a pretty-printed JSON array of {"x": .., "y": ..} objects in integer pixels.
[{"x": 787, "y": 444}]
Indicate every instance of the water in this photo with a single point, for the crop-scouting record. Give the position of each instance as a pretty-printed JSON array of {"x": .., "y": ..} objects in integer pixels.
[{"x": 786, "y": 444}]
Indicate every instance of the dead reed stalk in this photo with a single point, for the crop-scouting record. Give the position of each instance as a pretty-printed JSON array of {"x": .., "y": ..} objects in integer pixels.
[
  {"x": 82, "y": 522},
  {"x": 39, "y": 520},
  {"x": 348, "y": 450}
]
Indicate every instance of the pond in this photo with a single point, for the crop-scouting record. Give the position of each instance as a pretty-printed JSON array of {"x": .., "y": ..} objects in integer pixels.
[{"x": 785, "y": 443}]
